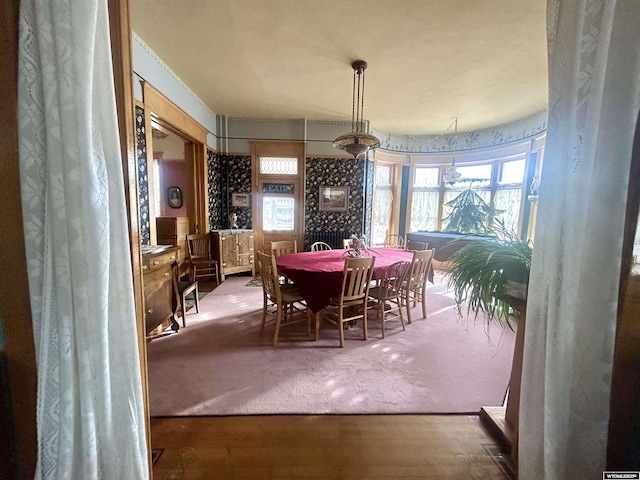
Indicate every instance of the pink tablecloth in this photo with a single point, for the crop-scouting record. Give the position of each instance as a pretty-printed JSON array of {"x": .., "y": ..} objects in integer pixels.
[{"x": 318, "y": 275}]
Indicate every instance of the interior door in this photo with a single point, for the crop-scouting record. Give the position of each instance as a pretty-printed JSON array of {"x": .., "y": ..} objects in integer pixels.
[{"x": 278, "y": 171}]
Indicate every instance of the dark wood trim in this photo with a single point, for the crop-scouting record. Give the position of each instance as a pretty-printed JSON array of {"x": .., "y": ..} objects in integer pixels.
[
  {"x": 14, "y": 286},
  {"x": 623, "y": 447},
  {"x": 123, "y": 79}
]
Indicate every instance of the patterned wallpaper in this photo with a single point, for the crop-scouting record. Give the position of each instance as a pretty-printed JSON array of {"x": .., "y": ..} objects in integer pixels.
[
  {"x": 215, "y": 183},
  {"x": 228, "y": 174},
  {"x": 143, "y": 181},
  {"x": 370, "y": 171},
  {"x": 334, "y": 172}
]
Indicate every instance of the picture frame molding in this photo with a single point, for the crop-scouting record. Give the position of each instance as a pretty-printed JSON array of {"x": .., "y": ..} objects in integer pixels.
[
  {"x": 242, "y": 200},
  {"x": 333, "y": 205},
  {"x": 174, "y": 201}
]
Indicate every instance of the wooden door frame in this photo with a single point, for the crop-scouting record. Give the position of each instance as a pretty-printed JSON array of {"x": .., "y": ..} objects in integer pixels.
[
  {"x": 280, "y": 149},
  {"x": 15, "y": 302},
  {"x": 160, "y": 109}
]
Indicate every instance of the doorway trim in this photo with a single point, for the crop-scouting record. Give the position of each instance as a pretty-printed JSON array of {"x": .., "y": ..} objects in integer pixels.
[
  {"x": 283, "y": 149},
  {"x": 160, "y": 109}
]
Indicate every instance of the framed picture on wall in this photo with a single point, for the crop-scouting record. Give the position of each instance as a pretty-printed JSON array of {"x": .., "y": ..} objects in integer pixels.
[
  {"x": 174, "y": 194},
  {"x": 334, "y": 199},
  {"x": 240, "y": 199}
]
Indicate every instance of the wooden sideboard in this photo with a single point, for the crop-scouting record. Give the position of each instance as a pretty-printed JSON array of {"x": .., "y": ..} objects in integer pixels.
[
  {"x": 159, "y": 296},
  {"x": 174, "y": 231},
  {"x": 234, "y": 250}
]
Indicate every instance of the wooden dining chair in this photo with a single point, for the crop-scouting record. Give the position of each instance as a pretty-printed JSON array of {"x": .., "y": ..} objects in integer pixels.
[
  {"x": 415, "y": 286},
  {"x": 202, "y": 264},
  {"x": 415, "y": 245},
  {"x": 387, "y": 294},
  {"x": 184, "y": 288},
  {"x": 283, "y": 302},
  {"x": 282, "y": 247},
  {"x": 394, "y": 240},
  {"x": 351, "y": 305},
  {"x": 318, "y": 246}
]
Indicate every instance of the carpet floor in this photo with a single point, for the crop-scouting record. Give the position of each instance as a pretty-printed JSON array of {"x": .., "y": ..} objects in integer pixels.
[{"x": 220, "y": 364}]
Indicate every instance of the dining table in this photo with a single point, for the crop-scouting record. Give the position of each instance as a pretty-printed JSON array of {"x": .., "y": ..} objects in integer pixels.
[{"x": 318, "y": 275}]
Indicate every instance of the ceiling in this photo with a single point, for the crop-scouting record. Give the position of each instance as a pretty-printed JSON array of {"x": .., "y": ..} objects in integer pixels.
[{"x": 429, "y": 61}]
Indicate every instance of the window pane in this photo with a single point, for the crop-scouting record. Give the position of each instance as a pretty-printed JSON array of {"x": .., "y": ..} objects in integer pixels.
[
  {"x": 450, "y": 194},
  {"x": 279, "y": 165},
  {"x": 426, "y": 177},
  {"x": 277, "y": 213},
  {"x": 383, "y": 175},
  {"x": 480, "y": 173},
  {"x": 424, "y": 211},
  {"x": 381, "y": 215},
  {"x": 512, "y": 172},
  {"x": 508, "y": 199}
]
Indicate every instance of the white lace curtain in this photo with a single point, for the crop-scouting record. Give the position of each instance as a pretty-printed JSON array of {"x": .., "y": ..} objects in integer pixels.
[
  {"x": 594, "y": 85},
  {"x": 89, "y": 408}
]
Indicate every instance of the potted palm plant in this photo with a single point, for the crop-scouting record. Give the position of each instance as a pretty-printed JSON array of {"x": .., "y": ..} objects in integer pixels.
[{"x": 486, "y": 274}]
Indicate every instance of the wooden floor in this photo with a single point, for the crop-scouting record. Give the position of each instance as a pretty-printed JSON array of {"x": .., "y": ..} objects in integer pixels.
[{"x": 325, "y": 446}]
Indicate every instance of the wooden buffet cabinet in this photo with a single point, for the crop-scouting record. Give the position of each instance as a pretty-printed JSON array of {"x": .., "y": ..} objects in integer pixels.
[
  {"x": 174, "y": 231},
  {"x": 234, "y": 251},
  {"x": 159, "y": 296}
]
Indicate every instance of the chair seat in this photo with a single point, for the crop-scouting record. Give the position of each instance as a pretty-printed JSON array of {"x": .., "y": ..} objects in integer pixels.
[{"x": 290, "y": 293}]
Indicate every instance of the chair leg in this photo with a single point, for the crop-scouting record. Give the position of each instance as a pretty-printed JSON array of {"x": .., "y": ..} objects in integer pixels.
[
  {"x": 341, "y": 326},
  {"x": 197, "y": 299},
  {"x": 406, "y": 300},
  {"x": 381, "y": 314},
  {"x": 278, "y": 322},
  {"x": 183, "y": 302},
  {"x": 424, "y": 303},
  {"x": 364, "y": 322},
  {"x": 265, "y": 303}
]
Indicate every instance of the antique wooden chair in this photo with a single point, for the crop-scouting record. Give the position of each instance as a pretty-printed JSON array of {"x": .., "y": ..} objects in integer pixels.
[
  {"x": 283, "y": 302},
  {"x": 387, "y": 294},
  {"x": 317, "y": 246},
  {"x": 351, "y": 305},
  {"x": 415, "y": 285},
  {"x": 182, "y": 289},
  {"x": 394, "y": 240},
  {"x": 282, "y": 247},
  {"x": 202, "y": 265}
]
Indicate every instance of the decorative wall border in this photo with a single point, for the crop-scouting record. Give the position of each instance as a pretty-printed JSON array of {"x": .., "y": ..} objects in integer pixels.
[{"x": 498, "y": 135}]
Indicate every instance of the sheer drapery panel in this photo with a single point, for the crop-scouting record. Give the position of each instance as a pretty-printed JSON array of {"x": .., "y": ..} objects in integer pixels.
[
  {"x": 594, "y": 93},
  {"x": 90, "y": 413}
]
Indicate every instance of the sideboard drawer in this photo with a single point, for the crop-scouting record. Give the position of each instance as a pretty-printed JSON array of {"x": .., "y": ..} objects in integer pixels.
[{"x": 160, "y": 261}]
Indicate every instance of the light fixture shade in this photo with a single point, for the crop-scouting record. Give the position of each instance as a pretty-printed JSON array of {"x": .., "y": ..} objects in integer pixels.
[
  {"x": 452, "y": 175},
  {"x": 357, "y": 142}
]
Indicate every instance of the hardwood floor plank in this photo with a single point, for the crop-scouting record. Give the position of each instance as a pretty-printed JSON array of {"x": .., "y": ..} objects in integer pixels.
[{"x": 329, "y": 446}]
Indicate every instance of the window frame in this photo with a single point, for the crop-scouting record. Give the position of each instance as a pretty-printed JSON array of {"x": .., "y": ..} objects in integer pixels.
[{"x": 495, "y": 158}]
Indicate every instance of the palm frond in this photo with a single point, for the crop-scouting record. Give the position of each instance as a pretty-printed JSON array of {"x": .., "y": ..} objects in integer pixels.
[{"x": 481, "y": 269}]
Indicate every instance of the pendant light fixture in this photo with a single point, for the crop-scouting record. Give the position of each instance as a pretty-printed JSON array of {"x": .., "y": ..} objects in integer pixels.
[
  {"x": 452, "y": 175},
  {"x": 357, "y": 142}
]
